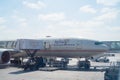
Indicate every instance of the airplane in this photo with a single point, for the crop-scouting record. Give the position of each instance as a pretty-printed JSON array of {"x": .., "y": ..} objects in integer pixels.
[{"x": 50, "y": 47}]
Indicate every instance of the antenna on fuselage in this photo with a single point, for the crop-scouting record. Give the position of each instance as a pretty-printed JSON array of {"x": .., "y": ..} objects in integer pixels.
[{"x": 48, "y": 36}]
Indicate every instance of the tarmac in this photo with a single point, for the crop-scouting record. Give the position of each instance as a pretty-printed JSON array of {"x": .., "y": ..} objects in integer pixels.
[
  {"x": 18, "y": 74},
  {"x": 13, "y": 73}
]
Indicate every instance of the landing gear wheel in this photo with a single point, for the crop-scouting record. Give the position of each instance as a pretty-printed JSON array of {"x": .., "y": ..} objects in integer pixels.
[
  {"x": 84, "y": 64},
  {"x": 87, "y": 66}
]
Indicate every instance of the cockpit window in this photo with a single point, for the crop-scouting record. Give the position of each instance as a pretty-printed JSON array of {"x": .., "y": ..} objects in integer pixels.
[{"x": 98, "y": 43}]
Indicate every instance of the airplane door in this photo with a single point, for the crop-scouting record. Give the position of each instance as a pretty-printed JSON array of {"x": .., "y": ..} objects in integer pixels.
[{"x": 46, "y": 45}]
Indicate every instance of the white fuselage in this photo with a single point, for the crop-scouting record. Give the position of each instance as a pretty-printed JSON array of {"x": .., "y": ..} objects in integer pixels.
[{"x": 65, "y": 48}]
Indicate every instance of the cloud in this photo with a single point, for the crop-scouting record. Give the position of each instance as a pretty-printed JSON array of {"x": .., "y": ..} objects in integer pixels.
[
  {"x": 49, "y": 22},
  {"x": 108, "y": 15},
  {"x": 80, "y": 24},
  {"x": 116, "y": 28},
  {"x": 17, "y": 27},
  {"x": 2, "y": 24},
  {"x": 107, "y": 9},
  {"x": 20, "y": 20},
  {"x": 2, "y": 20},
  {"x": 2, "y": 27},
  {"x": 34, "y": 5},
  {"x": 52, "y": 17},
  {"x": 74, "y": 28},
  {"x": 108, "y": 2},
  {"x": 87, "y": 9}
]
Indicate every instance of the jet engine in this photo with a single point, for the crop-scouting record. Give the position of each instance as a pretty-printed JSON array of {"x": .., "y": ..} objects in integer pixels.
[{"x": 4, "y": 57}]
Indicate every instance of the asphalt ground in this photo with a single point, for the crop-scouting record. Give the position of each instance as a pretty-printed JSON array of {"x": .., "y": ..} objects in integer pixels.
[
  {"x": 13, "y": 73},
  {"x": 18, "y": 74}
]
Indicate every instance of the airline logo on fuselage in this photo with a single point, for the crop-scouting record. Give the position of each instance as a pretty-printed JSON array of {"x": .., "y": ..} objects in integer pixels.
[{"x": 64, "y": 42}]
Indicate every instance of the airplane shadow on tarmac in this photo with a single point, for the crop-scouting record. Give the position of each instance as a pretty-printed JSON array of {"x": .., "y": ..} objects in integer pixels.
[
  {"x": 69, "y": 69},
  {"x": 20, "y": 72},
  {"x": 89, "y": 70}
]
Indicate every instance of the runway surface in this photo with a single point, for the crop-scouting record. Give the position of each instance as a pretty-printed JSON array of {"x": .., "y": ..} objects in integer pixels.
[
  {"x": 18, "y": 74},
  {"x": 12, "y": 73}
]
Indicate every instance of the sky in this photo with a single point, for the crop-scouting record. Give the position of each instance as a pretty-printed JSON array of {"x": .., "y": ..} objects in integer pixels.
[{"x": 35, "y": 19}]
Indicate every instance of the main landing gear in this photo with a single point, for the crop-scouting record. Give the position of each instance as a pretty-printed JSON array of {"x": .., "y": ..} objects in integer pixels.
[
  {"x": 33, "y": 63},
  {"x": 59, "y": 63},
  {"x": 84, "y": 64},
  {"x": 16, "y": 61}
]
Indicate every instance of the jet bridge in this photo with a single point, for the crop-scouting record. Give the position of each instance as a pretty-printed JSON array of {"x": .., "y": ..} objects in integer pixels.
[
  {"x": 114, "y": 46},
  {"x": 31, "y": 47},
  {"x": 29, "y": 44}
]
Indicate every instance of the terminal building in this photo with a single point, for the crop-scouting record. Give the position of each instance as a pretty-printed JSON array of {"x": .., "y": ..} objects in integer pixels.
[{"x": 114, "y": 46}]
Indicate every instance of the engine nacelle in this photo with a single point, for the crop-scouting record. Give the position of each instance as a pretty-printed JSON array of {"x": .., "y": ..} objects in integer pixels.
[{"x": 4, "y": 56}]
